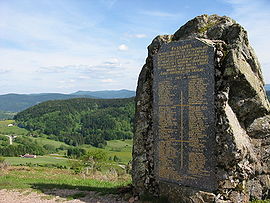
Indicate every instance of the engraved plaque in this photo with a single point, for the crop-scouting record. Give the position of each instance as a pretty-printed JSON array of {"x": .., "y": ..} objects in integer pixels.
[{"x": 184, "y": 114}]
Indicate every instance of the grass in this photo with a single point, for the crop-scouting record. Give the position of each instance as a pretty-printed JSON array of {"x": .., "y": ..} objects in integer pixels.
[
  {"x": 44, "y": 141},
  {"x": 119, "y": 145},
  {"x": 43, "y": 179},
  {"x": 119, "y": 148},
  {"x": 14, "y": 130},
  {"x": 39, "y": 160},
  {"x": 76, "y": 196}
]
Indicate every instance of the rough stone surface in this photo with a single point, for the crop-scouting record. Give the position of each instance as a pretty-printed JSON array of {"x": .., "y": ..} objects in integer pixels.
[{"x": 242, "y": 118}]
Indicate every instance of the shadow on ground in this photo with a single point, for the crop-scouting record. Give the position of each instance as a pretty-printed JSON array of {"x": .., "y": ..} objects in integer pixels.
[{"x": 86, "y": 194}]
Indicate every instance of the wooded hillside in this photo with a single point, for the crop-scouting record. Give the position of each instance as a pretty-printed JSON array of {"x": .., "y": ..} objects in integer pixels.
[{"x": 81, "y": 121}]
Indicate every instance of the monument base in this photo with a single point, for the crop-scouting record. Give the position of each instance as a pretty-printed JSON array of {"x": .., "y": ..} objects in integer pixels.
[{"x": 180, "y": 194}]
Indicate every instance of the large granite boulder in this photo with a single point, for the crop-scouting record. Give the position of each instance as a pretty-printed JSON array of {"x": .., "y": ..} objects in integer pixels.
[{"x": 242, "y": 118}]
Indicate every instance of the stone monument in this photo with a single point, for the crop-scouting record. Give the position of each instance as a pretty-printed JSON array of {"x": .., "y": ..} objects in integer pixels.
[{"x": 202, "y": 123}]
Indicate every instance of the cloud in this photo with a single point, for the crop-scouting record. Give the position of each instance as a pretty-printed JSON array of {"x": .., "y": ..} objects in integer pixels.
[
  {"x": 139, "y": 36},
  {"x": 53, "y": 31},
  {"x": 112, "y": 61},
  {"x": 43, "y": 45},
  {"x": 81, "y": 69},
  {"x": 66, "y": 84},
  {"x": 83, "y": 77},
  {"x": 109, "y": 80},
  {"x": 122, "y": 47},
  {"x": 4, "y": 71},
  {"x": 52, "y": 69}
]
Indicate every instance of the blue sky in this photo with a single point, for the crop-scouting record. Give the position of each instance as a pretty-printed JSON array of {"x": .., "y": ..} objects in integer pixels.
[{"x": 70, "y": 45}]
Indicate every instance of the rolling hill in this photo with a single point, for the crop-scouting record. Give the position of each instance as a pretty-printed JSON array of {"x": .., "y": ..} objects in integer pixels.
[
  {"x": 267, "y": 87},
  {"x": 107, "y": 94},
  {"x": 19, "y": 102},
  {"x": 81, "y": 120}
]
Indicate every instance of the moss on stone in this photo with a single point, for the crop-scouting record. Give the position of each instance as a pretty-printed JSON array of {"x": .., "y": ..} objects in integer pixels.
[{"x": 207, "y": 27}]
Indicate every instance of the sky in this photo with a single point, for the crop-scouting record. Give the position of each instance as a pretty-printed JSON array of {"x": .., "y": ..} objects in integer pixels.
[{"x": 69, "y": 45}]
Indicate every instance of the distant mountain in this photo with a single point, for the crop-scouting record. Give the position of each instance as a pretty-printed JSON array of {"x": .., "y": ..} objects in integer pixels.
[
  {"x": 267, "y": 87},
  {"x": 19, "y": 102},
  {"x": 108, "y": 94}
]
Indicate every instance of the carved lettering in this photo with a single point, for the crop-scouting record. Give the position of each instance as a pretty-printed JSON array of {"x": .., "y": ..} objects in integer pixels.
[{"x": 184, "y": 116}]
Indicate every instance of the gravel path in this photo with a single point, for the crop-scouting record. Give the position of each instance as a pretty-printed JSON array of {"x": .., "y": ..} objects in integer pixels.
[{"x": 55, "y": 196}]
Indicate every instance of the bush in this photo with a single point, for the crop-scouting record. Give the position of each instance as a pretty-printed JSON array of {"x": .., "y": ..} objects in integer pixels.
[
  {"x": 3, "y": 164},
  {"x": 96, "y": 155},
  {"x": 116, "y": 159},
  {"x": 63, "y": 147},
  {"x": 75, "y": 152},
  {"x": 94, "y": 158},
  {"x": 2, "y": 159},
  {"x": 50, "y": 148},
  {"x": 76, "y": 165}
]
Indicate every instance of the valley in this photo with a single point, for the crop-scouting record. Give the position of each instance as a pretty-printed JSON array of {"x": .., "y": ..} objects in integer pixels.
[{"x": 102, "y": 173}]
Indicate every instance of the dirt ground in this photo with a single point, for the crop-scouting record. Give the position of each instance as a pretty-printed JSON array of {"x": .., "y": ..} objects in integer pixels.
[{"x": 56, "y": 196}]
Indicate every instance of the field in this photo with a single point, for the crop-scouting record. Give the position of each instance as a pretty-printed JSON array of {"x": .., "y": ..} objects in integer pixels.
[
  {"x": 44, "y": 141},
  {"x": 48, "y": 178},
  {"x": 120, "y": 148},
  {"x": 115, "y": 148},
  {"x": 14, "y": 130},
  {"x": 40, "y": 160},
  {"x": 55, "y": 172}
]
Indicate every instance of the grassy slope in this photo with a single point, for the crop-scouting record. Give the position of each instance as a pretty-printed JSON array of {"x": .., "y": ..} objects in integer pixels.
[
  {"x": 44, "y": 141},
  {"x": 37, "y": 178},
  {"x": 39, "y": 160},
  {"x": 14, "y": 130},
  {"x": 119, "y": 148}
]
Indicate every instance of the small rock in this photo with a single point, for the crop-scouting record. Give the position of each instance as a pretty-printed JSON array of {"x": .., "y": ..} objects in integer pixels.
[{"x": 131, "y": 200}]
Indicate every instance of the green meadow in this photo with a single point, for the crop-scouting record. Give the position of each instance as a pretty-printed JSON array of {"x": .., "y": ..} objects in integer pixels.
[
  {"x": 122, "y": 149},
  {"x": 40, "y": 178},
  {"x": 14, "y": 130},
  {"x": 40, "y": 160},
  {"x": 56, "y": 171}
]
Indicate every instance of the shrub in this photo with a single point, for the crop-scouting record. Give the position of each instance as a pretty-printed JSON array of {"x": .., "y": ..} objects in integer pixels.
[
  {"x": 3, "y": 163},
  {"x": 96, "y": 155},
  {"x": 50, "y": 148},
  {"x": 116, "y": 159},
  {"x": 75, "y": 152},
  {"x": 76, "y": 165},
  {"x": 2, "y": 159}
]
